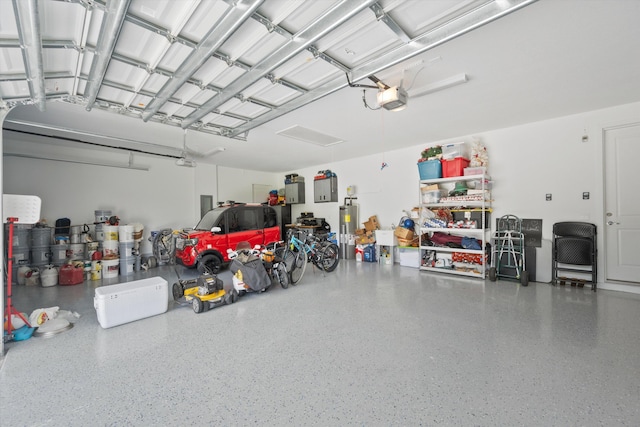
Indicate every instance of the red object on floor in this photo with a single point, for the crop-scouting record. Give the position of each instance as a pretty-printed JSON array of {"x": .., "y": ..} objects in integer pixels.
[{"x": 70, "y": 275}]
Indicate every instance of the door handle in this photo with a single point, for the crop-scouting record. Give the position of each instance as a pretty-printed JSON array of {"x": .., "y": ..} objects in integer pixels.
[{"x": 612, "y": 222}]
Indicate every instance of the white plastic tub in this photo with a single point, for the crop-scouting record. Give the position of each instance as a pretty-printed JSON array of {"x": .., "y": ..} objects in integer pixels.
[{"x": 130, "y": 301}]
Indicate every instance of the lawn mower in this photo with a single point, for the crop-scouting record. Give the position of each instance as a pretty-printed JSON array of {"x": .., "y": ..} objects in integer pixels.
[{"x": 203, "y": 293}]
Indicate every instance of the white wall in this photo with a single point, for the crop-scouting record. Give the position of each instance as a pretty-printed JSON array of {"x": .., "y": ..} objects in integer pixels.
[
  {"x": 165, "y": 196},
  {"x": 526, "y": 162}
]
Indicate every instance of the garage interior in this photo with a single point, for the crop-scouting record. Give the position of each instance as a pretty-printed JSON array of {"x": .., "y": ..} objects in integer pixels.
[{"x": 142, "y": 107}]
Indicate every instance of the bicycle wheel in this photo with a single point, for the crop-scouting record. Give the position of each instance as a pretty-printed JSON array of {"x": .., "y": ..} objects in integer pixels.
[
  {"x": 282, "y": 275},
  {"x": 298, "y": 267},
  {"x": 329, "y": 257},
  {"x": 289, "y": 257}
]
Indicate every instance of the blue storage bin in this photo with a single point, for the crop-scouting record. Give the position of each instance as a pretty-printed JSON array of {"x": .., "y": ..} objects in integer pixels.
[{"x": 431, "y": 169}]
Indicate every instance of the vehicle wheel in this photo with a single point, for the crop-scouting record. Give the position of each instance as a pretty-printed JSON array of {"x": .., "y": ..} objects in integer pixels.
[
  {"x": 283, "y": 277},
  {"x": 299, "y": 265},
  {"x": 177, "y": 291},
  {"x": 329, "y": 257},
  {"x": 492, "y": 274},
  {"x": 231, "y": 296},
  {"x": 198, "y": 305},
  {"x": 210, "y": 264},
  {"x": 524, "y": 278}
]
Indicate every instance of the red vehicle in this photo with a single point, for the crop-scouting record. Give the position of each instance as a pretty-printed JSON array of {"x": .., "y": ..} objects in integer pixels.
[{"x": 222, "y": 228}]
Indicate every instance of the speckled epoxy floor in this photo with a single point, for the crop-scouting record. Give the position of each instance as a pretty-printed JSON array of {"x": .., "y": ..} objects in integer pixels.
[{"x": 365, "y": 345}]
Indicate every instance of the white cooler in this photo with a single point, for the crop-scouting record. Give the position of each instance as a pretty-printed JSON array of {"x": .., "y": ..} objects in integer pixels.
[{"x": 126, "y": 302}]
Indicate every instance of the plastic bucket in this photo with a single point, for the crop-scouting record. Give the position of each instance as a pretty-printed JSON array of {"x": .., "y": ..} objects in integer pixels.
[
  {"x": 40, "y": 255},
  {"x": 126, "y": 265},
  {"x": 102, "y": 215},
  {"x": 77, "y": 251},
  {"x": 91, "y": 248},
  {"x": 110, "y": 249},
  {"x": 110, "y": 232},
  {"x": 125, "y": 233},
  {"x": 21, "y": 237},
  {"x": 138, "y": 230},
  {"x": 41, "y": 236},
  {"x": 99, "y": 232},
  {"x": 59, "y": 254},
  {"x": 110, "y": 268},
  {"x": 48, "y": 276},
  {"x": 126, "y": 249},
  {"x": 21, "y": 255}
]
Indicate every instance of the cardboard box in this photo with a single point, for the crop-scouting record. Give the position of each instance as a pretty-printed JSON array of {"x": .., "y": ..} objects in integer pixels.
[
  {"x": 372, "y": 224},
  {"x": 403, "y": 233},
  {"x": 360, "y": 231}
]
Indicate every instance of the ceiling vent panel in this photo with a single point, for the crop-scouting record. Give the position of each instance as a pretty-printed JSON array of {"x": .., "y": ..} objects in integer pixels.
[{"x": 309, "y": 135}]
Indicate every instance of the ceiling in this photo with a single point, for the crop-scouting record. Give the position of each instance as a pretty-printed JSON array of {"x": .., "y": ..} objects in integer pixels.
[{"x": 233, "y": 77}]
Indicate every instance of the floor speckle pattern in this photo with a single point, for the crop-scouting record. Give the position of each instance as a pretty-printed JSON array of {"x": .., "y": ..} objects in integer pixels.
[{"x": 366, "y": 345}]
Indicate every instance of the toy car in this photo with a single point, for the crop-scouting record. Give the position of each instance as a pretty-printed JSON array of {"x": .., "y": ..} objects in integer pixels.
[{"x": 204, "y": 293}]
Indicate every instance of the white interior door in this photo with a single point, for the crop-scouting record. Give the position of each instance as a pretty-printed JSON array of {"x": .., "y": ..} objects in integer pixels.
[{"x": 622, "y": 203}]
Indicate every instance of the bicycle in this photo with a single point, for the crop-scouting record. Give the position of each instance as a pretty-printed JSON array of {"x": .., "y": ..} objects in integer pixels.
[{"x": 297, "y": 253}]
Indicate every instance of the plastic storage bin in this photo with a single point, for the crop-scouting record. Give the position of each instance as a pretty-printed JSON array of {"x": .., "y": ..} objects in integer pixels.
[
  {"x": 409, "y": 257},
  {"x": 430, "y": 169},
  {"x": 455, "y": 149},
  {"x": 454, "y": 167}
]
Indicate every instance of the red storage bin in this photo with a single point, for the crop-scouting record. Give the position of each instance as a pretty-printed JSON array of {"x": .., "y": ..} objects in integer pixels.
[
  {"x": 454, "y": 167},
  {"x": 70, "y": 275}
]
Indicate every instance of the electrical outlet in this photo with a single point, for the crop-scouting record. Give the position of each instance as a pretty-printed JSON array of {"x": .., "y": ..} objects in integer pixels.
[
  {"x": 585, "y": 195},
  {"x": 548, "y": 197}
]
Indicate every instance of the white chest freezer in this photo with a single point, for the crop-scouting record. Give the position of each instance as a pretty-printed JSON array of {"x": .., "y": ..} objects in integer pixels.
[{"x": 126, "y": 302}]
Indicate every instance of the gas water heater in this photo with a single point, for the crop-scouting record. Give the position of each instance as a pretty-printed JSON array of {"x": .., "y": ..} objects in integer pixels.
[{"x": 348, "y": 224}]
